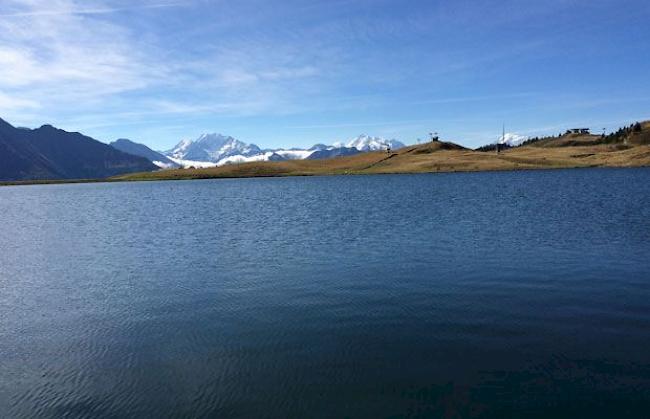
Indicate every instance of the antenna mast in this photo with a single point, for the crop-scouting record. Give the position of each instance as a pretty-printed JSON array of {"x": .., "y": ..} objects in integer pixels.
[{"x": 503, "y": 137}]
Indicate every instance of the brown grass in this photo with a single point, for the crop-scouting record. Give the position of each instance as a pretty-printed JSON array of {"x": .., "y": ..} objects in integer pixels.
[{"x": 431, "y": 157}]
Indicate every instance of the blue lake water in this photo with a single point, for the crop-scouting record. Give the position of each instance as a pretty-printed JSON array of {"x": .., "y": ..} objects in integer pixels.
[{"x": 514, "y": 294}]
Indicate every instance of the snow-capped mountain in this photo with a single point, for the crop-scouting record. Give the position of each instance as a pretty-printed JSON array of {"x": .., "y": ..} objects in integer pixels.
[
  {"x": 179, "y": 150},
  {"x": 367, "y": 143},
  {"x": 211, "y": 150},
  {"x": 512, "y": 139}
]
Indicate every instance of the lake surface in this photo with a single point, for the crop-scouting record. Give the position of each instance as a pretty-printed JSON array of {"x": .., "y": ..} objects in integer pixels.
[{"x": 461, "y": 295}]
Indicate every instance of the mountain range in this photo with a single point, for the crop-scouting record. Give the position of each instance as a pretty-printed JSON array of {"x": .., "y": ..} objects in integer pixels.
[
  {"x": 48, "y": 153},
  {"x": 211, "y": 150},
  {"x": 51, "y": 153}
]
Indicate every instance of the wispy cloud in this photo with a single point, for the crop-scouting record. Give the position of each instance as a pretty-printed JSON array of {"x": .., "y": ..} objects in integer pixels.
[
  {"x": 67, "y": 54},
  {"x": 81, "y": 10}
]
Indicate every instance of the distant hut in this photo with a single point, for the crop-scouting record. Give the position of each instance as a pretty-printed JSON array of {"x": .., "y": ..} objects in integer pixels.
[{"x": 583, "y": 131}]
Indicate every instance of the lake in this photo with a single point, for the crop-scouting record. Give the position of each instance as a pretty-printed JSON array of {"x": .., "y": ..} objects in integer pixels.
[{"x": 517, "y": 294}]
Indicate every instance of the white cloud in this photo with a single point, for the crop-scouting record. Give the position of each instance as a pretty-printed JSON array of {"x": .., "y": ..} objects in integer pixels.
[
  {"x": 9, "y": 103},
  {"x": 48, "y": 11},
  {"x": 64, "y": 55},
  {"x": 65, "y": 58}
]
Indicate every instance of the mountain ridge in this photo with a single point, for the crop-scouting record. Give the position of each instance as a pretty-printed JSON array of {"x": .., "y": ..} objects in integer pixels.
[
  {"x": 210, "y": 150},
  {"x": 51, "y": 153},
  {"x": 138, "y": 149}
]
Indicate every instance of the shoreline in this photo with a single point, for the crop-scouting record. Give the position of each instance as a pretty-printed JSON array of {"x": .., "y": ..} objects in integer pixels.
[{"x": 158, "y": 175}]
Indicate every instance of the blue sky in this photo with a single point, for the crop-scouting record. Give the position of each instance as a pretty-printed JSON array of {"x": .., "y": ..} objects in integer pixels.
[{"x": 294, "y": 73}]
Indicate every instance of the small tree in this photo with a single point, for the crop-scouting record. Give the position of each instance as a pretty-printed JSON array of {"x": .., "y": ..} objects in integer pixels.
[{"x": 636, "y": 127}]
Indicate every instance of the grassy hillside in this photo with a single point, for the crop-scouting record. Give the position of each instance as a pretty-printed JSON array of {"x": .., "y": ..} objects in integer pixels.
[
  {"x": 432, "y": 157},
  {"x": 635, "y": 134},
  {"x": 570, "y": 140}
]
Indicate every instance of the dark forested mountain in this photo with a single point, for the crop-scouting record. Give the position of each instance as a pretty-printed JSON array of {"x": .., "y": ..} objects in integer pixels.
[
  {"x": 51, "y": 153},
  {"x": 329, "y": 153},
  {"x": 142, "y": 150}
]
